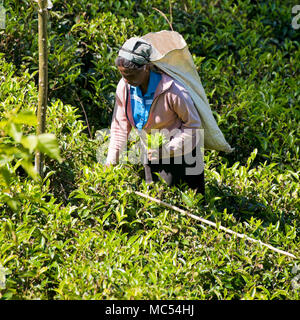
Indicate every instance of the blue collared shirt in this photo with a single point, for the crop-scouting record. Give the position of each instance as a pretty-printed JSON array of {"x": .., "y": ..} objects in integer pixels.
[{"x": 140, "y": 104}]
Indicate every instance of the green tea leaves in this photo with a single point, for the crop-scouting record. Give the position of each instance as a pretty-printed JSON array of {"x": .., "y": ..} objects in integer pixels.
[
  {"x": 81, "y": 233},
  {"x": 47, "y": 143}
]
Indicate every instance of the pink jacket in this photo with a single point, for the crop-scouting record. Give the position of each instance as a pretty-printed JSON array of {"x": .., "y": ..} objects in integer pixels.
[{"x": 172, "y": 109}]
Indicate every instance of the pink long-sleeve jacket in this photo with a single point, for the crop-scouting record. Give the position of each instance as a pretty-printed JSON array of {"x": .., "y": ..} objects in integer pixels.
[{"x": 172, "y": 112}]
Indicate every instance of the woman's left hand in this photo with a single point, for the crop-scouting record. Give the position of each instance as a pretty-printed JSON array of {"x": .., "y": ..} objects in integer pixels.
[{"x": 154, "y": 154}]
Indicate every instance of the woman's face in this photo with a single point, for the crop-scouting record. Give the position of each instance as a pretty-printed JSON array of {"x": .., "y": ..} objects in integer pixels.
[{"x": 135, "y": 77}]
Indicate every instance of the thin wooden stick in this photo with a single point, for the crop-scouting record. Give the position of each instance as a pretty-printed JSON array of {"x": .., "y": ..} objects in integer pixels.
[
  {"x": 170, "y": 24},
  {"x": 85, "y": 115},
  {"x": 43, "y": 79},
  {"x": 239, "y": 235}
]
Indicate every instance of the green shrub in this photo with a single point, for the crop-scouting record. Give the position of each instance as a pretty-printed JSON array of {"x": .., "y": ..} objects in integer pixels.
[
  {"x": 17, "y": 147},
  {"x": 81, "y": 232}
]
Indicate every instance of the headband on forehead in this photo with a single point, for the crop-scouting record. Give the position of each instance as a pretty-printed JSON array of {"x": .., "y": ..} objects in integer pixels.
[{"x": 136, "y": 50}]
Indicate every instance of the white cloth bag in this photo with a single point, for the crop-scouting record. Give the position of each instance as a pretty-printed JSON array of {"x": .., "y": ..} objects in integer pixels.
[{"x": 171, "y": 54}]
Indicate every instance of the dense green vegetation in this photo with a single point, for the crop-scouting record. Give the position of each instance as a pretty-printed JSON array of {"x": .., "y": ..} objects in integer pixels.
[{"x": 81, "y": 233}]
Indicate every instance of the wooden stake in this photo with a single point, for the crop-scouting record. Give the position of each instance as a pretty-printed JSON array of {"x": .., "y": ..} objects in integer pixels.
[
  {"x": 239, "y": 235},
  {"x": 43, "y": 78}
]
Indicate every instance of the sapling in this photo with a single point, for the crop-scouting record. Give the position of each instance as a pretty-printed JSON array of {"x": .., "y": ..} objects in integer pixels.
[{"x": 43, "y": 78}]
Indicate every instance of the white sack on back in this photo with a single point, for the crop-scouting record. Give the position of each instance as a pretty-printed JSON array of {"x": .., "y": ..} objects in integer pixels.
[{"x": 171, "y": 55}]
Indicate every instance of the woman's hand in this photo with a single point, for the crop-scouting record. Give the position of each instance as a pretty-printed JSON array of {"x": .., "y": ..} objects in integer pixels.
[{"x": 153, "y": 154}]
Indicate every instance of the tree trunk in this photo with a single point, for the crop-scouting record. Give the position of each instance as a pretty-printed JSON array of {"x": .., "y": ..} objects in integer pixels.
[{"x": 43, "y": 78}]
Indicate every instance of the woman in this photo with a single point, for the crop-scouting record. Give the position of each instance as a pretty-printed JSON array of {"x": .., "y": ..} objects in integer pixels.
[{"x": 150, "y": 100}]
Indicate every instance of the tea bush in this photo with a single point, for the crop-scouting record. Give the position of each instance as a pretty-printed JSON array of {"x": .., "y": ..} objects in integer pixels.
[{"x": 81, "y": 232}]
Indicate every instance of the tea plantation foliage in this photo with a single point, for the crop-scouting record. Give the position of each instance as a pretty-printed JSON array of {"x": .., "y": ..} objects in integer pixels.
[{"x": 81, "y": 233}]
